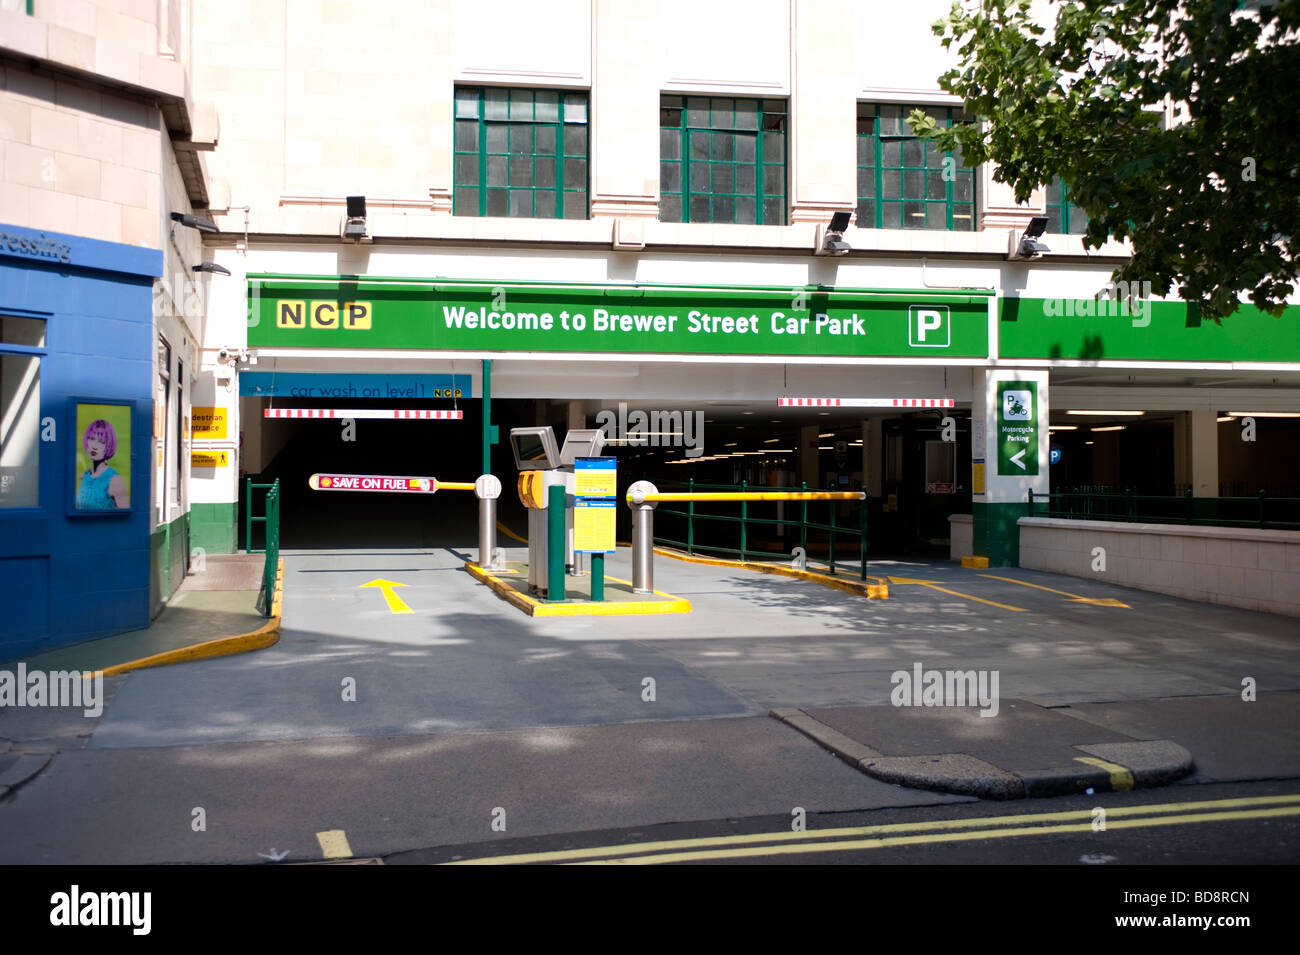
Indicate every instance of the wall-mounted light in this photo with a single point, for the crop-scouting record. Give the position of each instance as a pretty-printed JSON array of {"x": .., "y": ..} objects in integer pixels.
[
  {"x": 1028, "y": 246},
  {"x": 354, "y": 226},
  {"x": 830, "y": 238},
  {"x": 212, "y": 267},
  {"x": 194, "y": 222}
]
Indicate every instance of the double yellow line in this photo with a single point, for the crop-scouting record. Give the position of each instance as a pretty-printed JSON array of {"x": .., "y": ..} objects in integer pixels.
[{"x": 759, "y": 845}]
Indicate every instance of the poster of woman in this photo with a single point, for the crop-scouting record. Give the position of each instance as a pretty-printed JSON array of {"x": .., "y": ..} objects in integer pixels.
[{"x": 103, "y": 457}]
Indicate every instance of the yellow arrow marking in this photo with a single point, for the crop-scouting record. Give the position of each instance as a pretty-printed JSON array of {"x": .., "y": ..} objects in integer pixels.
[
  {"x": 987, "y": 823},
  {"x": 395, "y": 603},
  {"x": 1099, "y": 601},
  {"x": 934, "y": 586}
]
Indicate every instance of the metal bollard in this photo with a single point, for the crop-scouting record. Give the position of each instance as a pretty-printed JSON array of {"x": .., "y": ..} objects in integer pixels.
[
  {"x": 488, "y": 489},
  {"x": 643, "y": 536}
]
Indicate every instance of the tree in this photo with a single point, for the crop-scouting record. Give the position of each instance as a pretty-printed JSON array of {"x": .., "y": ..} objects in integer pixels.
[{"x": 1174, "y": 124}]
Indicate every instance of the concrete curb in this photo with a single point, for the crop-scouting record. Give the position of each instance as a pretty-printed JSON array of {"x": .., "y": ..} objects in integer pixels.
[
  {"x": 1111, "y": 767},
  {"x": 586, "y": 608},
  {"x": 876, "y": 591},
  {"x": 263, "y": 636}
]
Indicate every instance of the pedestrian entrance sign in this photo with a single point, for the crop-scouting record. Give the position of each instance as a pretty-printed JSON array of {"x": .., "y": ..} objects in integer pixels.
[{"x": 1018, "y": 427}]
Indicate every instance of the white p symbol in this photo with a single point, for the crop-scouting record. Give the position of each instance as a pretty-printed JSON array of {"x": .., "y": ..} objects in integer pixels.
[
  {"x": 927, "y": 320},
  {"x": 923, "y": 321}
]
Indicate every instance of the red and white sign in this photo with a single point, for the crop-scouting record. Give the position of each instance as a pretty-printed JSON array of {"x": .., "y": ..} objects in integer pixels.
[
  {"x": 372, "y": 482},
  {"x": 866, "y": 402},
  {"x": 383, "y": 413},
  {"x": 940, "y": 487}
]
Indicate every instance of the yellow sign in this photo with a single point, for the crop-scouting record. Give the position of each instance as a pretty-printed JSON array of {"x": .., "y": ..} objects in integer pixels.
[
  {"x": 301, "y": 314},
  {"x": 209, "y": 422},
  {"x": 977, "y": 477},
  {"x": 593, "y": 526},
  {"x": 595, "y": 483},
  {"x": 209, "y": 459}
]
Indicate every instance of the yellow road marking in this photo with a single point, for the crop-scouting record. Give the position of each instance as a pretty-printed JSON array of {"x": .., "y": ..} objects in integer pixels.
[
  {"x": 933, "y": 586},
  {"x": 898, "y": 827},
  {"x": 334, "y": 844},
  {"x": 395, "y": 603},
  {"x": 1098, "y": 601},
  {"x": 944, "y": 837},
  {"x": 1121, "y": 779}
]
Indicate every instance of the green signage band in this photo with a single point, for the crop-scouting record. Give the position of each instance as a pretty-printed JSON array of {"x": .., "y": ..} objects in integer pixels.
[
  {"x": 1018, "y": 427},
  {"x": 302, "y": 313},
  {"x": 1116, "y": 330}
]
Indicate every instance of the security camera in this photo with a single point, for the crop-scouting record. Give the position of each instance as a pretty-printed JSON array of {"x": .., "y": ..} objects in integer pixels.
[{"x": 224, "y": 355}]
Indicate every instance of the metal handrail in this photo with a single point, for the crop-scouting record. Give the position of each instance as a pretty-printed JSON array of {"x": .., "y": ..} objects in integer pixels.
[
  {"x": 1167, "y": 509},
  {"x": 272, "y": 563}
]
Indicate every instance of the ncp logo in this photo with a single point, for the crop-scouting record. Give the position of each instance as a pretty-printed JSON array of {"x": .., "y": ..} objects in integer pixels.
[{"x": 928, "y": 326}]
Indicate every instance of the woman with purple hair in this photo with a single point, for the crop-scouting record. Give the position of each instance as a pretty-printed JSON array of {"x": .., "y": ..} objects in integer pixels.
[{"x": 101, "y": 488}]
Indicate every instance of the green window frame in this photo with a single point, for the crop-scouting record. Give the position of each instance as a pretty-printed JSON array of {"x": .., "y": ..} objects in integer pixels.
[
  {"x": 723, "y": 159},
  {"x": 521, "y": 153},
  {"x": 1063, "y": 216},
  {"x": 905, "y": 182}
]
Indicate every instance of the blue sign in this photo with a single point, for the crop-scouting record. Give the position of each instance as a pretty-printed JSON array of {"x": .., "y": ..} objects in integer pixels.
[
  {"x": 1054, "y": 456},
  {"x": 290, "y": 385}
]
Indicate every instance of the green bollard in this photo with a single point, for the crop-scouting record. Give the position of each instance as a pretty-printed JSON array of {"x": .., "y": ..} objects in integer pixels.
[
  {"x": 598, "y": 577},
  {"x": 555, "y": 542}
]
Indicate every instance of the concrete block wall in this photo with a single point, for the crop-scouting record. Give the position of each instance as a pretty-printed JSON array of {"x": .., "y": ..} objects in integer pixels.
[
  {"x": 80, "y": 160},
  {"x": 1239, "y": 567}
]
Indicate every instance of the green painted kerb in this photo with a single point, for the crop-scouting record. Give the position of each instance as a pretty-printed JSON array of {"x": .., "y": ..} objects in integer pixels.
[
  {"x": 213, "y": 527},
  {"x": 467, "y": 316},
  {"x": 995, "y": 533},
  {"x": 1092, "y": 330}
]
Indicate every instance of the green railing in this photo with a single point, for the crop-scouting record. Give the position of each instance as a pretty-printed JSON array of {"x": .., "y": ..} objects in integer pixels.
[
  {"x": 1274, "y": 513},
  {"x": 832, "y": 528},
  {"x": 271, "y": 519}
]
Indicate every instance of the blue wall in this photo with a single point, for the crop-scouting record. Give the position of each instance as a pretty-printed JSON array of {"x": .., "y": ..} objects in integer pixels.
[{"x": 67, "y": 578}]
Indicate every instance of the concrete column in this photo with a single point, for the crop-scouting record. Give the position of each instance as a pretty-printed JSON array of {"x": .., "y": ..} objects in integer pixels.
[
  {"x": 1204, "y": 433},
  {"x": 823, "y": 177},
  {"x": 577, "y": 415},
  {"x": 808, "y": 455},
  {"x": 872, "y": 455},
  {"x": 624, "y": 105},
  {"x": 999, "y": 500}
]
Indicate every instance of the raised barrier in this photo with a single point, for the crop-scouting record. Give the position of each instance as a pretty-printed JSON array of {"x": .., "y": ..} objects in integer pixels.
[{"x": 643, "y": 497}]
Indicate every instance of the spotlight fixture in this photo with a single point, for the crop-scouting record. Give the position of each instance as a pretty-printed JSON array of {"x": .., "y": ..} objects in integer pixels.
[
  {"x": 354, "y": 226},
  {"x": 194, "y": 222},
  {"x": 1028, "y": 246},
  {"x": 212, "y": 267},
  {"x": 830, "y": 238}
]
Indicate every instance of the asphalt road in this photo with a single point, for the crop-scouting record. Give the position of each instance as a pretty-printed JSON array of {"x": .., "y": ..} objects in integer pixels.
[{"x": 468, "y": 716}]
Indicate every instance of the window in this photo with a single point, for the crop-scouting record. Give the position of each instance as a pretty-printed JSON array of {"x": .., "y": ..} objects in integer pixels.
[
  {"x": 905, "y": 182},
  {"x": 1062, "y": 215},
  {"x": 22, "y": 343},
  {"x": 722, "y": 160},
  {"x": 520, "y": 153}
]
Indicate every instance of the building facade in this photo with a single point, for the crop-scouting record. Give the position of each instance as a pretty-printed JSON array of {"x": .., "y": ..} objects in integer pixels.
[{"x": 585, "y": 204}]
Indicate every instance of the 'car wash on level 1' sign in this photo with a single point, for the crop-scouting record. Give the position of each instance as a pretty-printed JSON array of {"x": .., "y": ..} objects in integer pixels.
[
  {"x": 595, "y": 484},
  {"x": 1017, "y": 427}
]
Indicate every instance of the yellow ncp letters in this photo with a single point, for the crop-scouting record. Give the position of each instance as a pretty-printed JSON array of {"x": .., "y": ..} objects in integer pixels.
[{"x": 323, "y": 315}]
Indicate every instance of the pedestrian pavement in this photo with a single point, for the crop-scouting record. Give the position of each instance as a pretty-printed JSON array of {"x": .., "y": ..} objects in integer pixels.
[{"x": 215, "y": 611}]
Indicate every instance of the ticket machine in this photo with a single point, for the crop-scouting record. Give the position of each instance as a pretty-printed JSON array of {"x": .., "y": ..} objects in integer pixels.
[{"x": 541, "y": 467}]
